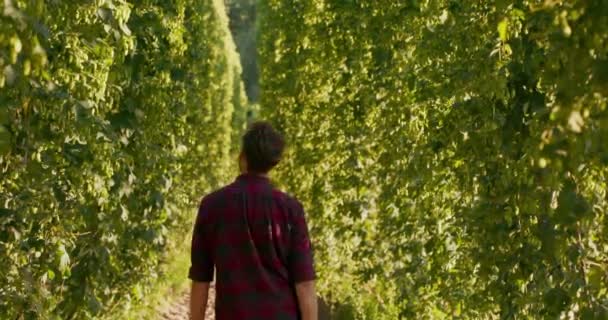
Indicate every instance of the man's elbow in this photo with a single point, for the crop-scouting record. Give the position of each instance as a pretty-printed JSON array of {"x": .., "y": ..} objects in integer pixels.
[
  {"x": 306, "y": 286},
  {"x": 307, "y": 299},
  {"x": 198, "y": 299},
  {"x": 200, "y": 286}
]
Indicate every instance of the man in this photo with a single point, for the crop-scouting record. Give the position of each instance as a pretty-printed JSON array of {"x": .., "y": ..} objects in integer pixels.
[{"x": 257, "y": 239}]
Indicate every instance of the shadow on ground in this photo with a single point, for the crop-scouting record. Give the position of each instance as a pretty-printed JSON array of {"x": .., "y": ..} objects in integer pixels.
[{"x": 178, "y": 309}]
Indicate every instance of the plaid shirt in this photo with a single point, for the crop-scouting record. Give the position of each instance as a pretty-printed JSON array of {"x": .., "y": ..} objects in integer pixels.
[{"x": 257, "y": 239}]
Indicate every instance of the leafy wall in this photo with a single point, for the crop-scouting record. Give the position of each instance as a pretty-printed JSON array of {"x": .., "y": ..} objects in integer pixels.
[
  {"x": 452, "y": 156},
  {"x": 115, "y": 117}
]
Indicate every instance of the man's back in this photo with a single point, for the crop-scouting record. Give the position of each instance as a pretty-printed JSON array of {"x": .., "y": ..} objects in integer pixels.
[{"x": 257, "y": 238}]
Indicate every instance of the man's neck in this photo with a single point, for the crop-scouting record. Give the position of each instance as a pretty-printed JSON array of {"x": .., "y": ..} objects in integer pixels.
[{"x": 257, "y": 174}]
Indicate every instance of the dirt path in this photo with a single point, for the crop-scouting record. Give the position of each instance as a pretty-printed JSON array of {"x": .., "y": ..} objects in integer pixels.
[{"x": 179, "y": 308}]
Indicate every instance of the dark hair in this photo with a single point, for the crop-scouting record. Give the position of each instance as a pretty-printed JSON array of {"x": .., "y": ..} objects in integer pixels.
[{"x": 263, "y": 147}]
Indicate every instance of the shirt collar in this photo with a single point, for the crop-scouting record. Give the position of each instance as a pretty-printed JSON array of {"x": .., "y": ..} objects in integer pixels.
[{"x": 252, "y": 177}]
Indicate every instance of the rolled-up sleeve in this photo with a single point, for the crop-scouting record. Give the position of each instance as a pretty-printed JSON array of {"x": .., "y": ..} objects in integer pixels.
[
  {"x": 201, "y": 268},
  {"x": 301, "y": 265}
]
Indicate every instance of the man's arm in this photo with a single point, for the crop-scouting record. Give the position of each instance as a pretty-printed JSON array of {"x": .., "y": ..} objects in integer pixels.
[
  {"x": 300, "y": 264},
  {"x": 201, "y": 268},
  {"x": 307, "y": 300},
  {"x": 198, "y": 300}
]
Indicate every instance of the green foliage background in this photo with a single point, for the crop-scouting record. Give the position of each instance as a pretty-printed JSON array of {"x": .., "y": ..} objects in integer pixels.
[
  {"x": 242, "y": 15},
  {"x": 115, "y": 117},
  {"x": 452, "y": 155}
]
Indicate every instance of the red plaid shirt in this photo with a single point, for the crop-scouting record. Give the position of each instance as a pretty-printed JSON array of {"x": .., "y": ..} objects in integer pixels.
[{"x": 257, "y": 239}]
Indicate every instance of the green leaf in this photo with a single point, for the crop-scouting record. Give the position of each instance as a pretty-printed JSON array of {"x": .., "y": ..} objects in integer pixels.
[
  {"x": 10, "y": 75},
  {"x": 575, "y": 122},
  {"x": 4, "y": 115},
  {"x": 93, "y": 304},
  {"x": 64, "y": 259},
  {"x": 125, "y": 29},
  {"x": 105, "y": 14},
  {"x": 5, "y": 141},
  {"x": 595, "y": 277},
  {"x": 571, "y": 205},
  {"x": 556, "y": 300},
  {"x": 502, "y": 28},
  {"x": 77, "y": 152}
]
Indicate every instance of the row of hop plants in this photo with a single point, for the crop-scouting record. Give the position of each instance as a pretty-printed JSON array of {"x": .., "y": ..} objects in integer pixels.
[
  {"x": 452, "y": 156},
  {"x": 115, "y": 117}
]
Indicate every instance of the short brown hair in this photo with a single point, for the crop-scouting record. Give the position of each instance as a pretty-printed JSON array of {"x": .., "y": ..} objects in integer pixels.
[{"x": 263, "y": 147}]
